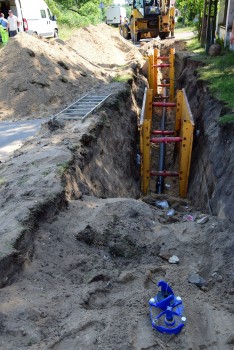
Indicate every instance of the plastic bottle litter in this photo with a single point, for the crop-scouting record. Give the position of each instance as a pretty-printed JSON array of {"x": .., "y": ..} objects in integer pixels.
[
  {"x": 162, "y": 204},
  {"x": 171, "y": 212},
  {"x": 203, "y": 220}
]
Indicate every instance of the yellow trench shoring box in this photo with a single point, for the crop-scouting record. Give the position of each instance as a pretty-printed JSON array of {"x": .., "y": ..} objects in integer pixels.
[{"x": 184, "y": 127}]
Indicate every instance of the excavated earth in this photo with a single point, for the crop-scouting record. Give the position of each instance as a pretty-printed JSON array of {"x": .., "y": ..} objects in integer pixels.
[{"x": 81, "y": 252}]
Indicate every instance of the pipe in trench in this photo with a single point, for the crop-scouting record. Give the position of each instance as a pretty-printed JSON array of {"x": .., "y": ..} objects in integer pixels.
[{"x": 162, "y": 149}]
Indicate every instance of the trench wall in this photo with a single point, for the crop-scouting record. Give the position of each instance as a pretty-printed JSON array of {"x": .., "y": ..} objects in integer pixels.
[
  {"x": 211, "y": 178},
  {"x": 106, "y": 166}
]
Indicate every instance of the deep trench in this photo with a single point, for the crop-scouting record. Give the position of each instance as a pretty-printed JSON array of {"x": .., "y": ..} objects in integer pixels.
[
  {"x": 106, "y": 164},
  {"x": 109, "y": 167},
  {"x": 211, "y": 175}
]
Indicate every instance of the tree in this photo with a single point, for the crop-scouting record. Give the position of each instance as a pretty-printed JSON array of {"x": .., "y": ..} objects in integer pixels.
[
  {"x": 190, "y": 9},
  {"x": 78, "y": 13},
  {"x": 76, "y": 5}
]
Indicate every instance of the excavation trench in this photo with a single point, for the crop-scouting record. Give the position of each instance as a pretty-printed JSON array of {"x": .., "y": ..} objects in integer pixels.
[
  {"x": 211, "y": 180},
  {"x": 90, "y": 252}
]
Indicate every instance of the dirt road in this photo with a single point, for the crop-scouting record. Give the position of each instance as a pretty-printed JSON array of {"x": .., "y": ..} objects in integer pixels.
[
  {"x": 81, "y": 252},
  {"x": 13, "y": 134}
]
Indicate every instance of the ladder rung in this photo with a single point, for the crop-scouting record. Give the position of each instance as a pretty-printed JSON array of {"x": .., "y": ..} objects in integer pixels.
[
  {"x": 164, "y": 173},
  {"x": 163, "y": 85},
  {"x": 166, "y": 139},
  {"x": 164, "y": 104},
  {"x": 163, "y": 58},
  {"x": 162, "y": 132},
  {"x": 162, "y": 97},
  {"x": 163, "y": 65}
]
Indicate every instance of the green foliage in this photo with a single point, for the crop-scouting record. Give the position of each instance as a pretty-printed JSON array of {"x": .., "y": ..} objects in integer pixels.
[
  {"x": 190, "y": 9},
  {"x": 2, "y": 180},
  {"x": 219, "y": 41},
  {"x": 54, "y": 8},
  {"x": 226, "y": 120},
  {"x": 180, "y": 19},
  {"x": 122, "y": 78},
  {"x": 218, "y": 71},
  {"x": 91, "y": 12},
  {"x": 71, "y": 5},
  {"x": 194, "y": 46},
  {"x": 73, "y": 13},
  {"x": 66, "y": 31},
  {"x": 62, "y": 168}
]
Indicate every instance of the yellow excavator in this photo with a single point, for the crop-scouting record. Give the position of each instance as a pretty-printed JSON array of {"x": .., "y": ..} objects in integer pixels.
[{"x": 149, "y": 19}]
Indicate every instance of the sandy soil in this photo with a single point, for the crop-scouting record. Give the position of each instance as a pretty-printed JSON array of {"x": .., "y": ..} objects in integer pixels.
[
  {"x": 52, "y": 74},
  {"x": 91, "y": 264}
]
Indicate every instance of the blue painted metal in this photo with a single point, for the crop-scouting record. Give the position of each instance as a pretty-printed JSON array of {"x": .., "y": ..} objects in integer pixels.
[{"x": 166, "y": 310}]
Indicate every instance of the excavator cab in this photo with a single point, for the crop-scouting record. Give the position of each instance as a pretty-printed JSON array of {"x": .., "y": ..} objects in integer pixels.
[
  {"x": 149, "y": 19},
  {"x": 147, "y": 7}
]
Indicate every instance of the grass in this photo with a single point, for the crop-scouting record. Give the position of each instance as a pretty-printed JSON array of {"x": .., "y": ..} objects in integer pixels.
[
  {"x": 183, "y": 29},
  {"x": 2, "y": 180},
  {"x": 219, "y": 73},
  {"x": 194, "y": 46},
  {"x": 66, "y": 32},
  {"x": 122, "y": 78},
  {"x": 227, "y": 119},
  {"x": 62, "y": 168}
]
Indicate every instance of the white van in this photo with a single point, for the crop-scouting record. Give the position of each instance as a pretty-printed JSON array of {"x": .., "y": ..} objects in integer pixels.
[
  {"x": 115, "y": 15},
  {"x": 34, "y": 15}
]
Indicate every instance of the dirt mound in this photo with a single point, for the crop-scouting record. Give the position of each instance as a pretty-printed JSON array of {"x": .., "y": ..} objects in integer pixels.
[
  {"x": 104, "y": 46},
  {"x": 49, "y": 75}
]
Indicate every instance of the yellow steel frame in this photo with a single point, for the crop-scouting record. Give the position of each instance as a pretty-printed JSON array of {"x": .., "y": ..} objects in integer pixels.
[
  {"x": 148, "y": 105},
  {"x": 184, "y": 126},
  {"x": 153, "y": 72},
  {"x": 172, "y": 73},
  {"x": 145, "y": 133},
  {"x": 179, "y": 104},
  {"x": 145, "y": 156}
]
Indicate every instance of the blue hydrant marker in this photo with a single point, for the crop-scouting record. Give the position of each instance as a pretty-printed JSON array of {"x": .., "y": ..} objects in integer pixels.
[{"x": 166, "y": 310}]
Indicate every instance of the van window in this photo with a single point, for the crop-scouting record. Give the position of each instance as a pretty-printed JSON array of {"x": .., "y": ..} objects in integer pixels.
[
  {"x": 49, "y": 13},
  {"x": 43, "y": 14}
]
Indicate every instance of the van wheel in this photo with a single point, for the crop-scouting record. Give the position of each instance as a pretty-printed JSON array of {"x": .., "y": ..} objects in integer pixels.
[
  {"x": 56, "y": 33},
  {"x": 34, "y": 34}
]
